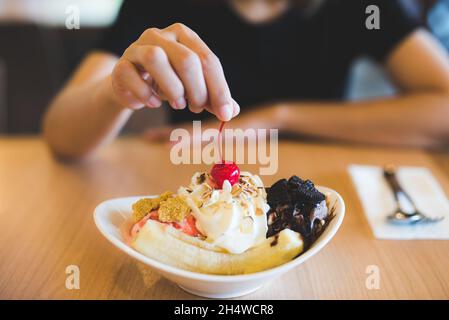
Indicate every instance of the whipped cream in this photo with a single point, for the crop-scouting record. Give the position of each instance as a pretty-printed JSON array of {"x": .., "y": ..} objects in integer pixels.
[{"x": 232, "y": 218}]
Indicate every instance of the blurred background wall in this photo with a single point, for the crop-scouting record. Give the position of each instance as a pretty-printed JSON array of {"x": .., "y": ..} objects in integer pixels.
[{"x": 38, "y": 53}]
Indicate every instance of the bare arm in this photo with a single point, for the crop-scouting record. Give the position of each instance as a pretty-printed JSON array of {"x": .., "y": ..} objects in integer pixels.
[
  {"x": 419, "y": 116},
  {"x": 85, "y": 115},
  {"x": 413, "y": 120}
]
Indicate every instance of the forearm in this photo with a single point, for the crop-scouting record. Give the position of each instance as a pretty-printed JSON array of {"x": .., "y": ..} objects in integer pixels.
[
  {"x": 411, "y": 120},
  {"x": 82, "y": 118}
]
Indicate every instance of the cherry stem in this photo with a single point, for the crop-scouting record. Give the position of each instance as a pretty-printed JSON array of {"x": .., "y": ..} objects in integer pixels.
[{"x": 219, "y": 140}]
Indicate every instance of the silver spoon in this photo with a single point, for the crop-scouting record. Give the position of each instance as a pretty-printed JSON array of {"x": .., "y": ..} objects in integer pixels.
[{"x": 399, "y": 216}]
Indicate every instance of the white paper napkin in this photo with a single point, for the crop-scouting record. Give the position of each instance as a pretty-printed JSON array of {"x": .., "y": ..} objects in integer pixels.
[{"x": 378, "y": 201}]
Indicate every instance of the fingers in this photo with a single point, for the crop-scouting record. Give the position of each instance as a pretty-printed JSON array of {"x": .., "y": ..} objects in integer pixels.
[
  {"x": 180, "y": 66},
  {"x": 220, "y": 99},
  {"x": 185, "y": 63},
  {"x": 133, "y": 91},
  {"x": 154, "y": 60},
  {"x": 187, "y": 66},
  {"x": 236, "y": 108},
  {"x": 156, "y": 98}
]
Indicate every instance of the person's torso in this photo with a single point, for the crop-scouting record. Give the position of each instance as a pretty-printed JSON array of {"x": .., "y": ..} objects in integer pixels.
[{"x": 297, "y": 56}]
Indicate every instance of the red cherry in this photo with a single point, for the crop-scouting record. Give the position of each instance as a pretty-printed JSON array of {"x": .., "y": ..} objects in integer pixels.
[{"x": 225, "y": 171}]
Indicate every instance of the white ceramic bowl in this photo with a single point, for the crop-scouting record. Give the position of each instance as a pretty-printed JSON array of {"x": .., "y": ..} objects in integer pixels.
[{"x": 110, "y": 215}]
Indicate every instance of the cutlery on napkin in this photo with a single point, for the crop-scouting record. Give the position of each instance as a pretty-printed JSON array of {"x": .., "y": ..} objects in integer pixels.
[{"x": 378, "y": 201}]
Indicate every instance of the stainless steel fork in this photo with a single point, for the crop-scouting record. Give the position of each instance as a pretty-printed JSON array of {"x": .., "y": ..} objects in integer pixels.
[{"x": 399, "y": 216}]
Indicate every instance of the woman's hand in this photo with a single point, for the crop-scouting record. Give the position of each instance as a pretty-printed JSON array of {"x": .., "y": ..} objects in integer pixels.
[
  {"x": 172, "y": 64},
  {"x": 260, "y": 117}
]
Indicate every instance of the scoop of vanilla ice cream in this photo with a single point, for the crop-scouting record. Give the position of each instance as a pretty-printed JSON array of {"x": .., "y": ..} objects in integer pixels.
[{"x": 232, "y": 218}]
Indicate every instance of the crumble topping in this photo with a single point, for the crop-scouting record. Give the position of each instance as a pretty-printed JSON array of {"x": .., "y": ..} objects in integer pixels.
[
  {"x": 173, "y": 210},
  {"x": 144, "y": 206}
]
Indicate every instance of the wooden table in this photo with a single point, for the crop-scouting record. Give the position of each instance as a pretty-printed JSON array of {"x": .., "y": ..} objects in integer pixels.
[{"x": 46, "y": 224}]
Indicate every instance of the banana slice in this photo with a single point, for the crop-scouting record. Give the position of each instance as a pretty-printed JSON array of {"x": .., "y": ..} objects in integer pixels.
[{"x": 168, "y": 245}]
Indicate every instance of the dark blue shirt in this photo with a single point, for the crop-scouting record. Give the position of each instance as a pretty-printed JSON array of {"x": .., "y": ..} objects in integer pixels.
[{"x": 300, "y": 55}]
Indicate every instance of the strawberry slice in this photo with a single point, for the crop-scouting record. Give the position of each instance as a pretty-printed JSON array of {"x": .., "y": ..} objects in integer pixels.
[{"x": 188, "y": 226}]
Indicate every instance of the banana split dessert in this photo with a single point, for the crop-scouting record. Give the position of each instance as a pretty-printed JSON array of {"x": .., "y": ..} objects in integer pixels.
[{"x": 226, "y": 222}]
